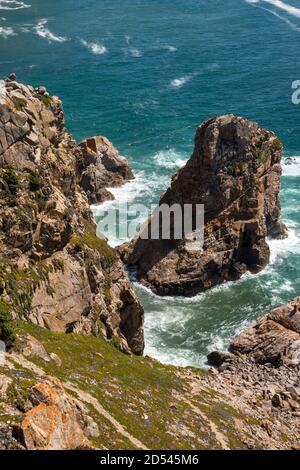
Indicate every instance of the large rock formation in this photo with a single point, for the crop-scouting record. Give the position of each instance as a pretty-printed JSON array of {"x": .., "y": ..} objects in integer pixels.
[
  {"x": 54, "y": 270},
  {"x": 235, "y": 173},
  {"x": 274, "y": 339},
  {"x": 102, "y": 167}
]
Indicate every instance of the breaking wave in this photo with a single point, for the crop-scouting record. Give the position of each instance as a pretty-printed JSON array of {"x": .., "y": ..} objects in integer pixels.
[
  {"x": 169, "y": 159},
  {"x": 46, "y": 33},
  {"x": 5, "y": 32},
  {"x": 179, "y": 82},
  {"x": 291, "y": 167},
  {"x": 94, "y": 47},
  {"x": 13, "y": 5}
]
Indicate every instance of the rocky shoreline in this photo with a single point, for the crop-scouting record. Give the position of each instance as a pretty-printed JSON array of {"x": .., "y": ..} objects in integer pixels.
[{"x": 68, "y": 311}]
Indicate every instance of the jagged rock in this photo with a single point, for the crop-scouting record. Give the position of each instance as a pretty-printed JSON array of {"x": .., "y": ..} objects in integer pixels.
[
  {"x": 54, "y": 423},
  {"x": 102, "y": 167},
  {"x": 54, "y": 270},
  {"x": 274, "y": 339},
  {"x": 235, "y": 173}
]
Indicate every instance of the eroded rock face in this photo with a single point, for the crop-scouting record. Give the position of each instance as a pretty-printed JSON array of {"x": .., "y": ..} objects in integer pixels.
[
  {"x": 235, "y": 173},
  {"x": 54, "y": 270},
  {"x": 102, "y": 167},
  {"x": 274, "y": 339},
  {"x": 55, "y": 422}
]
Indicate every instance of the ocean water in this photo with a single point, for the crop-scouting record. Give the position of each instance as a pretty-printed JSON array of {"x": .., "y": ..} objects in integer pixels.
[{"x": 145, "y": 73}]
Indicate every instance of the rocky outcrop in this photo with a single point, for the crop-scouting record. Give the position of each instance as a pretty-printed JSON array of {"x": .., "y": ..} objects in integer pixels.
[
  {"x": 54, "y": 270},
  {"x": 102, "y": 167},
  {"x": 274, "y": 339},
  {"x": 55, "y": 421},
  {"x": 79, "y": 403},
  {"x": 263, "y": 365},
  {"x": 234, "y": 172}
]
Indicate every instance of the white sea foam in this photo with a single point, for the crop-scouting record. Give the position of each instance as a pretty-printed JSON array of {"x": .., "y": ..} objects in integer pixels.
[
  {"x": 145, "y": 185},
  {"x": 179, "y": 82},
  {"x": 279, "y": 248},
  {"x": 134, "y": 52},
  {"x": 170, "y": 48},
  {"x": 283, "y": 6},
  {"x": 294, "y": 11},
  {"x": 43, "y": 32},
  {"x": 6, "y": 32},
  {"x": 274, "y": 13},
  {"x": 291, "y": 167},
  {"x": 13, "y": 5},
  {"x": 169, "y": 159},
  {"x": 94, "y": 47}
]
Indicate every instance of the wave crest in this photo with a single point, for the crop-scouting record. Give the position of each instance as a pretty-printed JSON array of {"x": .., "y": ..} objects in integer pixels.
[
  {"x": 94, "y": 47},
  {"x": 179, "y": 82},
  {"x": 169, "y": 159},
  {"x": 13, "y": 5},
  {"x": 46, "y": 33},
  {"x": 5, "y": 32}
]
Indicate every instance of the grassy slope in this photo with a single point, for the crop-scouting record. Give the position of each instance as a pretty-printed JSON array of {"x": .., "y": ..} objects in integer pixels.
[{"x": 153, "y": 402}]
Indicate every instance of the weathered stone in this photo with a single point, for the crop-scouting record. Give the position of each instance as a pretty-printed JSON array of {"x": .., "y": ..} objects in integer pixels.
[
  {"x": 33, "y": 348},
  {"x": 102, "y": 167},
  {"x": 235, "y": 173},
  {"x": 274, "y": 339},
  {"x": 55, "y": 422},
  {"x": 216, "y": 358}
]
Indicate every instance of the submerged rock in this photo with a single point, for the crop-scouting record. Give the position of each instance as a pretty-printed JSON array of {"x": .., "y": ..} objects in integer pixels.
[
  {"x": 235, "y": 173},
  {"x": 54, "y": 270},
  {"x": 102, "y": 167}
]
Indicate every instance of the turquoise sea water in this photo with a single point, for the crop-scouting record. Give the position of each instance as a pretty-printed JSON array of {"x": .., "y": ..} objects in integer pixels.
[{"x": 145, "y": 73}]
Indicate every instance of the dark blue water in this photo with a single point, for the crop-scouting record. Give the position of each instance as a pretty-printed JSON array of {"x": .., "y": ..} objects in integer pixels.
[{"x": 145, "y": 73}]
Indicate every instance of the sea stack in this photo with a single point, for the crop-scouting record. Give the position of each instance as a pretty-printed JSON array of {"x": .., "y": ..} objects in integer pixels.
[
  {"x": 54, "y": 270},
  {"x": 235, "y": 172}
]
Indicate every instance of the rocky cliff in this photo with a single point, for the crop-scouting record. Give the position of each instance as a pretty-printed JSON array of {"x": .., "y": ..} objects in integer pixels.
[
  {"x": 234, "y": 172},
  {"x": 54, "y": 270}
]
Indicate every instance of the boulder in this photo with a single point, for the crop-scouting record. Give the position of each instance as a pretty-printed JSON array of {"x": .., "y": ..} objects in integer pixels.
[
  {"x": 54, "y": 423},
  {"x": 234, "y": 172},
  {"x": 102, "y": 167}
]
